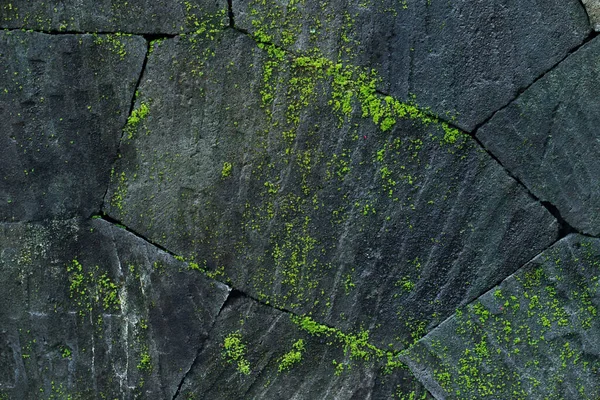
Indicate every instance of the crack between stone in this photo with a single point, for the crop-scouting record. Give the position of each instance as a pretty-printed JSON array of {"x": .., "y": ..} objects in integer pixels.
[
  {"x": 99, "y": 32},
  {"x": 230, "y": 13},
  {"x": 131, "y": 108},
  {"x": 233, "y": 294},
  {"x": 564, "y": 228},
  {"x": 590, "y": 37}
]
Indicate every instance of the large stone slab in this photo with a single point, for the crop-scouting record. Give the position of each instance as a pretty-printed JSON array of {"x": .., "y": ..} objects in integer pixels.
[
  {"x": 88, "y": 310},
  {"x": 242, "y": 164},
  {"x": 548, "y": 138},
  {"x": 63, "y": 102},
  {"x": 534, "y": 336},
  {"x": 132, "y": 16},
  {"x": 258, "y": 352},
  {"x": 464, "y": 59}
]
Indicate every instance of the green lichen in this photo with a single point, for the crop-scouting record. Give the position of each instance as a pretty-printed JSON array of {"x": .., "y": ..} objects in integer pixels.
[
  {"x": 355, "y": 345},
  {"x": 294, "y": 356},
  {"x": 92, "y": 289},
  {"x": 235, "y": 352},
  {"x": 226, "y": 170},
  {"x": 137, "y": 116}
]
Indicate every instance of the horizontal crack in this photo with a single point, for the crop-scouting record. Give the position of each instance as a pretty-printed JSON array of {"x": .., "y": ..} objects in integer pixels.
[{"x": 153, "y": 35}]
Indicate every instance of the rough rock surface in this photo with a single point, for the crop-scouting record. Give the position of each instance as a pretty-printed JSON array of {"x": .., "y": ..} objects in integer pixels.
[
  {"x": 88, "y": 310},
  {"x": 132, "y": 16},
  {"x": 285, "y": 360},
  {"x": 257, "y": 200},
  {"x": 230, "y": 181},
  {"x": 63, "y": 102},
  {"x": 464, "y": 59},
  {"x": 534, "y": 336},
  {"x": 593, "y": 9},
  {"x": 548, "y": 138}
]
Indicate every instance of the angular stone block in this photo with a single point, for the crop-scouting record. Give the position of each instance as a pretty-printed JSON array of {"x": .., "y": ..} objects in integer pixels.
[
  {"x": 463, "y": 59},
  {"x": 534, "y": 336},
  {"x": 548, "y": 138},
  {"x": 64, "y": 101},
  {"x": 132, "y": 16},
  {"x": 259, "y": 166},
  {"x": 89, "y": 310}
]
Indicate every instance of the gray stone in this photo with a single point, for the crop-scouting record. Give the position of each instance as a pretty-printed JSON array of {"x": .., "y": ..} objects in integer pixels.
[
  {"x": 534, "y": 336},
  {"x": 132, "y": 16},
  {"x": 91, "y": 311},
  {"x": 548, "y": 138},
  {"x": 593, "y": 9},
  {"x": 464, "y": 59},
  {"x": 258, "y": 352},
  {"x": 63, "y": 102},
  {"x": 252, "y": 175}
]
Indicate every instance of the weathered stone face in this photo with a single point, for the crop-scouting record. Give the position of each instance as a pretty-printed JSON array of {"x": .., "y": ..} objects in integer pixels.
[
  {"x": 593, "y": 10},
  {"x": 258, "y": 200},
  {"x": 533, "y": 336},
  {"x": 463, "y": 59},
  {"x": 326, "y": 214},
  {"x": 90, "y": 310},
  {"x": 548, "y": 138},
  {"x": 132, "y": 16},
  {"x": 64, "y": 101}
]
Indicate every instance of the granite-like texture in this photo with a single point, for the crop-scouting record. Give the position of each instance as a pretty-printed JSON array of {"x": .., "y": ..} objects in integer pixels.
[
  {"x": 464, "y": 59},
  {"x": 548, "y": 138},
  {"x": 534, "y": 336},
  {"x": 249, "y": 173},
  {"x": 63, "y": 102},
  {"x": 88, "y": 310},
  {"x": 593, "y": 9},
  {"x": 131, "y": 16}
]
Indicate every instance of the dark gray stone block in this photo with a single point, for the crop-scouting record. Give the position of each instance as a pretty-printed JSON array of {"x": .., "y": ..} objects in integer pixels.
[
  {"x": 132, "y": 16},
  {"x": 258, "y": 352},
  {"x": 548, "y": 138},
  {"x": 251, "y": 174},
  {"x": 63, "y": 102},
  {"x": 534, "y": 336},
  {"x": 462, "y": 59},
  {"x": 91, "y": 311}
]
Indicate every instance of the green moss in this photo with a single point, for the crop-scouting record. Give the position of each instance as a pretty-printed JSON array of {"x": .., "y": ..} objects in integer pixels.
[
  {"x": 145, "y": 363},
  {"x": 137, "y": 116},
  {"x": 91, "y": 289},
  {"x": 355, "y": 346},
  {"x": 235, "y": 352},
  {"x": 226, "y": 171},
  {"x": 294, "y": 356}
]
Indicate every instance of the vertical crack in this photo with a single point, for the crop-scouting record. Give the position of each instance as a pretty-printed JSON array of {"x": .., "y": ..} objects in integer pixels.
[
  {"x": 230, "y": 13},
  {"x": 233, "y": 295},
  {"x": 131, "y": 107}
]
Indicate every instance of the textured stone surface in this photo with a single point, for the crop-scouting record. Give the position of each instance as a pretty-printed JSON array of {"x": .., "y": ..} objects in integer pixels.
[
  {"x": 132, "y": 16},
  {"x": 534, "y": 336},
  {"x": 548, "y": 138},
  {"x": 464, "y": 59},
  {"x": 593, "y": 9},
  {"x": 324, "y": 367},
  {"x": 389, "y": 231},
  {"x": 91, "y": 311},
  {"x": 63, "y": 103},
  {"x": 292, "y": 231}
]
